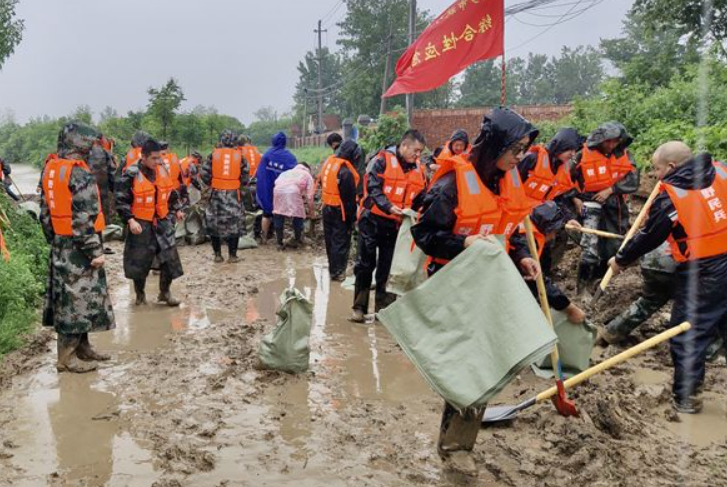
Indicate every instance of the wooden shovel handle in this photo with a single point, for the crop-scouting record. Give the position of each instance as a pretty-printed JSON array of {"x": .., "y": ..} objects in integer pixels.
[
  {"x": 632, "y": 231},
  {"x": 542, "y": 292},
  {"x": 600, "y": 233},
  {"x": 615, "y": 360}
]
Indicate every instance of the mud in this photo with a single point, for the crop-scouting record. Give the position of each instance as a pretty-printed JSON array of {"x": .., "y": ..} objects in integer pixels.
[{"x": 182, "y": 405}]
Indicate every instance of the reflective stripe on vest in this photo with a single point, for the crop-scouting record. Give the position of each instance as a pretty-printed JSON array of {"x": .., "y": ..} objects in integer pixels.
[
  {"x": 171, "y": 161},
  {"x": 226, "y": 169},
  {"x": 330, "y": 192},
  {"x": 620, "y": 167},
  {"x": 253, "y": 157},
  {"x": 59, "y": 199},
  {"x": 399, "y": 187},
  {"x": 703, "y": 215},
  {"x": 541, "y": 178},
  {"x": 151, "y": 200}
]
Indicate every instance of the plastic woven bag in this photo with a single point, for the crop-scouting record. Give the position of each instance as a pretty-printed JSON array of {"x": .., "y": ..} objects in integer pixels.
[
  {"x": 287, "y": 347},
  {"x": 471, "y": 327},
  {"x": 407, "y": 268},
  {"x": 575, "y": 344}
]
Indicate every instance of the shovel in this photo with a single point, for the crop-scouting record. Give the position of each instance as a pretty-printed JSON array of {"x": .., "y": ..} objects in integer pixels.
[
  {"x": 564, "y": 406},
  {"x": 634, "y": 228},
  {"x": 599, "y": 233},
  {"x": 497, "y": 414}
]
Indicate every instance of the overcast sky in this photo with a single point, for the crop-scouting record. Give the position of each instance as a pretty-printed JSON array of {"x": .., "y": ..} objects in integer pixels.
[{"x": 237, "y": 55}]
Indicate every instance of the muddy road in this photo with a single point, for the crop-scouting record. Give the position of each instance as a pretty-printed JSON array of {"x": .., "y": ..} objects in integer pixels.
[{"x": 181, "y": 404}]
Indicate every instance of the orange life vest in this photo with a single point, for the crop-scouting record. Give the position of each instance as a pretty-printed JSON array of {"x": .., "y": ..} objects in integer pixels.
[
  {"x": 541, "y": 178},
  {"x": 107, "y": 144},
  {"x": 132, "y": 157},
  {"x": 330, "y": 193},
  {"x": 479, "y": 211},
  {"x": 171, "y": 161},
  {"x": 186, "y": 168},
  {"x": 226, "y": 169},
  {"x": 563, "y": 182},
  {"x": 596, "y": 170},
  {"x": 621, "y": 166},
  {"x": 151, "y": 199},
  {"x": 400, "y": 187},
  {"x": 58, "y": 196},
  {"x": 703, "y": 214},
  {"x": 253, "y": 157}
]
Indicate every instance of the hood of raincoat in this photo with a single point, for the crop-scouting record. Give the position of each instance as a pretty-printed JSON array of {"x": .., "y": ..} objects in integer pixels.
[
  {"x": 607, "y": 131},
  {"x": 548, "y": 218},
  {"x": 76, "y": 139},
  {"x": 348, "y": 150},
  {"x": 280, "y": 141},
  {"x": 139, "y": 138},
  {"x": 697, "y": 173},
  {"x": 501, "y": 128},
  {"x": 459, "y": 134},
  {"x": 566, "y": 139}
]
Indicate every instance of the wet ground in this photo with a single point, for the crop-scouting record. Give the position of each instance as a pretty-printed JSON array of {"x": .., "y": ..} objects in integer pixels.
[
  {"x": 25, "y": 177},
  {"x": 182, "y": 403}
]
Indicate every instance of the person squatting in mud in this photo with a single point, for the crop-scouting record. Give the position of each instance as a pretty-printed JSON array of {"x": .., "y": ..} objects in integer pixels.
[
  {"x": 226, "y": 172},
  {"x": 77, "y": 301},
  {"x": 393, "y": 179},
  {"x": 149, "y": 205},
  {"x": 691, "y": 214},
  {"x": 449, "y": 209}
]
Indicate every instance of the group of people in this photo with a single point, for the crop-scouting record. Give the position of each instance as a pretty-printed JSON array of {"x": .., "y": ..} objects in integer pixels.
[{"x": 463, "y": 193}]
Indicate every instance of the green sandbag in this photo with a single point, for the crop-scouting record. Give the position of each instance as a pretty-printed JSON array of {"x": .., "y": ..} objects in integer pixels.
[
  {"x": 575, "y": 344},
  {"x": 246, "y": 243},
  {"x": 194, "y": 229},
  {"x": 286, "y": 348},
  {"x": 113, "y": 232},
  {"x": 472, "y": 327},
  {"x": 407, "y": 268}
]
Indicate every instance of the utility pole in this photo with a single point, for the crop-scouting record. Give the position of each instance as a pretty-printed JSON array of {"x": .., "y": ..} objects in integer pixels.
[
  {"x": 320, "y": 32},
  {"x": 412, "y": 35},
  {"x": 387, "y": 68},
  {"x": 305, "y": 112}
]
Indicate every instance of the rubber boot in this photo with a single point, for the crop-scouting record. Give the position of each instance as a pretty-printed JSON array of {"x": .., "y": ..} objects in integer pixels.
[
  {"x": 217, "y": 248},
  {"x": 360, "y": 304},
  {"x": 457, "y": 438},
  {"x": 139, "y": 286},
  {"x": 232, "y": 249},
  {"x": 87, "y": 353},
  {"x": 586, "y": 274},
  {"x": 165, "y": 292},
  {"x": 383, "y": 300},
  {"x": 68, "y": 361}
]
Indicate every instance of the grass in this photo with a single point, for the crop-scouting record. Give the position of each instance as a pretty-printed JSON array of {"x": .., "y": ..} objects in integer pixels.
[{"x": 313, "y": 155}]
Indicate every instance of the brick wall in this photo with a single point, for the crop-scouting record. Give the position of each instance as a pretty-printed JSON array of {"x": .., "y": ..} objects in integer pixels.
[{"x": 438, "y": 125}]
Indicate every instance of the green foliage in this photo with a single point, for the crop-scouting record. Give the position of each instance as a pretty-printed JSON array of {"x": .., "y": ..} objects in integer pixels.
[
  {"x": 331, "y": 71},
  {"x": 164, "y": 103},
  {"x": 313, "y": 155},
  {"x": 687, "y": 17},
  {"x": 386, "y": 132},
  {"x": 22, "y": 279},
  {"x": 655, "y": 116},
  {"x": 266, "y": 126},
  {"x": 535, "y": 80},
  {"x": 11, "y": 29}
]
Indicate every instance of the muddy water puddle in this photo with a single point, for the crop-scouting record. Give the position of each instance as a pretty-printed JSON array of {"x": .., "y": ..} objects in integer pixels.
[{"x": 703, "y": 429}]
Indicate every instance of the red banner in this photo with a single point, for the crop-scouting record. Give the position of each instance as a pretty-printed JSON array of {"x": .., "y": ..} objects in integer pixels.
[{"x": 467, "y": 32}]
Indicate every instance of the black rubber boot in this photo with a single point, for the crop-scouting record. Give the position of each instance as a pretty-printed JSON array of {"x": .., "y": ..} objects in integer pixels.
[
  {"x": 360, "y": 304},
  {"x": 165, "y": 292},
  {"x": 139, "y": 286}
]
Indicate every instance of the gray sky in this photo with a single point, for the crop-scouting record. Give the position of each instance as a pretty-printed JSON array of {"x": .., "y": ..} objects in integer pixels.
[{"x": 235, "y": 55}]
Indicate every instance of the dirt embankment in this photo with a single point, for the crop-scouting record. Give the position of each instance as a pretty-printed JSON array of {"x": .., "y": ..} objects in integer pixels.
[{"x": 183, "y": 405}]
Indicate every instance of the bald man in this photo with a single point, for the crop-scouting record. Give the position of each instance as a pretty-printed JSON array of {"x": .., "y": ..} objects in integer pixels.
[{"x": 691, "y": 214}]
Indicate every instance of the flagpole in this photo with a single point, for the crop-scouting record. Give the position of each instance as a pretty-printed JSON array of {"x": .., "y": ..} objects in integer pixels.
[
  {"x": 412, "y": 34},
  {"x": 503, "y": 94}
]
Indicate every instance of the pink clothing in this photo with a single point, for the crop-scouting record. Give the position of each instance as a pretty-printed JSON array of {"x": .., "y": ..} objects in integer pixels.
[{"x": 293, "y": 190}]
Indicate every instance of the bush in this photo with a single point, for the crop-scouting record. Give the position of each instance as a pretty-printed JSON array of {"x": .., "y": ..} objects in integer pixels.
[
  {"x": 22, "y": 279},
  {"x": 386, "y": 132},
  {"x": 313, "y": 155}
]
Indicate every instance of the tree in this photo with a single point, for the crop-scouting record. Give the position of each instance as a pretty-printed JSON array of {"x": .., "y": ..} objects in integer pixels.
[
  {"x": 163, "y": 104},
  {"x": 688, "y": 18},
  {"x": 577, "y": 72},
  {"x": 536, "y": 85},
  {"x": 11, "y": 29},
  {"x": 189, "y": 131},
  {"x": 84, "y": 114},
  {"x": 648, "y": 53},
  {"x": 266, "y": 114},
  {"x": 308, "y": 79},
  {"x": 481, "y": 85}
]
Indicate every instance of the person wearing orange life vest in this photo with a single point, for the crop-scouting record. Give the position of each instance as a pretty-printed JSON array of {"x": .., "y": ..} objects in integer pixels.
[
  {"x": 174, "y": 168},
  {"x": 190, "y": 166},
  {"x": 226, "y": 172},
  {"x": 338, "y": 180},
  {"x": 691, "y": 214},
  {"x": 103, "y": 166},
  {"x": 77, "y": 300},
  {"x": 605, "y": 174},
  {"x": 458, "y": 144},
  {"x": 393, "y": 179},
  {"x": 249, "y": 193},
  {"x": 466, "y": 200},
  {"x": 147, "y": 202},
  {"x": 134, "y": 154},
  {"x": 5, "y": 171}
]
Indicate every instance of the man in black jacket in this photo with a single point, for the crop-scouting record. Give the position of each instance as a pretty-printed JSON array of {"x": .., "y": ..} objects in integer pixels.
[{"x": 691, "y": 212}]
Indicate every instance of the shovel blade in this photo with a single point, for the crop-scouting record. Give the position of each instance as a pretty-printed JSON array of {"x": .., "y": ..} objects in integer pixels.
[{"x": 498, "y": 414}]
